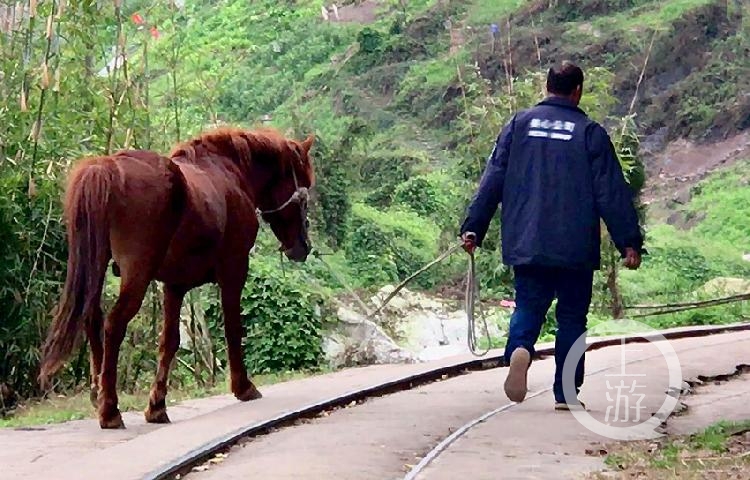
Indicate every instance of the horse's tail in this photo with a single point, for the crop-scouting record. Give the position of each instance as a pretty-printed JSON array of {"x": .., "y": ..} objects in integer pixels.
[{"x": 86, "y": 204}]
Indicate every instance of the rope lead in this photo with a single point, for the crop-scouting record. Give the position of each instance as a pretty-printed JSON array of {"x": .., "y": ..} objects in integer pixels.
[
  {"x": 472, "y": 295},
  {"x": 470, "y": 299}
]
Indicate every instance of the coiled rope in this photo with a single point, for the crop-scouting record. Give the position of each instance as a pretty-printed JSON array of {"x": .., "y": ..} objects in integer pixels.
[
  {"x": 471, "y": 296},
  {"x": 471, "y": 299}
]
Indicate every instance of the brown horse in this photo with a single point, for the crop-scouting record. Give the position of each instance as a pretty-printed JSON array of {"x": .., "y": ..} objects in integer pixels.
[{"x": 185, "y": 221}]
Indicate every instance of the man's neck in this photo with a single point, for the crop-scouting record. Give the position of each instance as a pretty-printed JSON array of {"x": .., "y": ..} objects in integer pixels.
[{"x": 555, "y": 96}]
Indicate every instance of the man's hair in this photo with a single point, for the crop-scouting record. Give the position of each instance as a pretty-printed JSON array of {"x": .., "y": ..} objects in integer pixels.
[{"x": 565, "y": 79}]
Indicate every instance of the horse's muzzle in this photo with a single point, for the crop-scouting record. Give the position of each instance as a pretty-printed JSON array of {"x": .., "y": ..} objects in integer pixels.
[{"x": 298, "y": 253}]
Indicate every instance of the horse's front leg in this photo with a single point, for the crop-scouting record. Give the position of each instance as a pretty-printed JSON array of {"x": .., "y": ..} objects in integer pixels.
[
  {"x": 231, "y": 283},
  {"x": 168, "y": 345}
]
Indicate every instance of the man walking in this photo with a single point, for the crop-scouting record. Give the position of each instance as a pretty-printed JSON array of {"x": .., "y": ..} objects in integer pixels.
[{"x": 555, "y": 173}]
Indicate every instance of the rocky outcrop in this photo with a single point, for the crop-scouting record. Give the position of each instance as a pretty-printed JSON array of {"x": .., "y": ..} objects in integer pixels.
[
  {"x": 412, "y": 327},
  {"x": 721, "y": 286},
  {"x": 357, "y": 340}
]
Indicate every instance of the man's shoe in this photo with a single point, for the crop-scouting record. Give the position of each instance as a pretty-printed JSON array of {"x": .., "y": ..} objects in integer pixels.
[
  {"x": 577, "y": 405},
  {"x": 515, "y": 382}
]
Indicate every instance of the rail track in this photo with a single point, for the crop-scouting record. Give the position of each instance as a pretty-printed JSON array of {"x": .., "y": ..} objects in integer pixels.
[{"x": 199, "y": 455}]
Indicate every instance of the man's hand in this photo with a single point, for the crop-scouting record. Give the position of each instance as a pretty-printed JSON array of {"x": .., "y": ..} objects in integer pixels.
[
  {"x": 469, "y": 239},
  {"x": 632, "y": 259}
]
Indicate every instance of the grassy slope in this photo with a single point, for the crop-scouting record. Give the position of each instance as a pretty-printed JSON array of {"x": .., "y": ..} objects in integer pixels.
[
  {"x": 241, "y": 60},
  {"x": 290, "y": 61},
  {"x": 682, "y": 261},
  {"x": 77, "y": 407},
  {"x": 404, "y": 83},
  {"x": 721, "y": 449}
]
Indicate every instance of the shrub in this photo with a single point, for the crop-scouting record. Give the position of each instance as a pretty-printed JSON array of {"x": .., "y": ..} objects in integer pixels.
[
  {"x": 677, "y": 264},
  {"x": 427, "y": 195},
  {"x": 283, "y": 315},
  {"x": 386, "y": 246},
  {"x": 31, "y": 272},
  {"x": 387, "y": 169},
  {"x": 332, "y": 192}
]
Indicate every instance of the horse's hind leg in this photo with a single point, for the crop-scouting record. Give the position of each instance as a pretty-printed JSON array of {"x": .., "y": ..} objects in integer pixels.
[
  {"x": 135, "y": 281},
  {"x": 231, "y": 280},
  {"x": 168, "y": 345},
  {"x": 94, "y": 333}
]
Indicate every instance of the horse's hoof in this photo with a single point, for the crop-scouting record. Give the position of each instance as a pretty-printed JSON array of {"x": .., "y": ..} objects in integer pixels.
[
  {"x": 114, "y": 422},
  {"x": 250, "y": 393},
  {"x": 156, "y": 415}
]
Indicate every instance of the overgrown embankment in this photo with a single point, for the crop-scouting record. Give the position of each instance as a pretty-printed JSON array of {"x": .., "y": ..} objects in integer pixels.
[{"x": 406, "y": 99}]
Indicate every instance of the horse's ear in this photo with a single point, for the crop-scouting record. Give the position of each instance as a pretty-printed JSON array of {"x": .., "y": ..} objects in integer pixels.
[{"x": 308, "y": 143}]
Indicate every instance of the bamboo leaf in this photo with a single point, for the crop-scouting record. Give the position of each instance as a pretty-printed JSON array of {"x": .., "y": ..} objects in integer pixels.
[
  {"x": 56, "y": 86},
  {"x": 49, "y": 26},
  {"x": 32, "y": 188},
  {"x": 128, "y": 138},
  {"x": 44, "y": 79},
  {"x": 35, "y": 131}
]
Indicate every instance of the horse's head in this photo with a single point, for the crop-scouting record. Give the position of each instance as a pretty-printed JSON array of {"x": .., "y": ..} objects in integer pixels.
[{"x": 285, "y": 205}]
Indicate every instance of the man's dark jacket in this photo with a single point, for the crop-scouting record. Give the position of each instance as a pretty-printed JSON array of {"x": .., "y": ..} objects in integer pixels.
[{"x": 556, "y": 173}]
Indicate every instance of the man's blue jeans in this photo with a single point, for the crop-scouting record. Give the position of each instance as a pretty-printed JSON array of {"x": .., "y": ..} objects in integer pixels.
[{"x": 536, "y": 287}]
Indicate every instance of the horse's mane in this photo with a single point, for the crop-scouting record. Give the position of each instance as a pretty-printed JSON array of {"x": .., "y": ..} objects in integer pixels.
[{"x": 266, "y": 145}]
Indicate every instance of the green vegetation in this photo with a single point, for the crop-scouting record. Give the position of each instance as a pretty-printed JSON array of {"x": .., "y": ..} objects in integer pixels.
[
  {"x": 722, "y": 200},
  {"x": 405, "y": 109},
  {"x": 483, "y": 12},
  {"x": 283, "y": 317},
  {"x": 647, "y": 15},
  {"x": 721, "y": 449},
  {"x": 77, "y": 406}
]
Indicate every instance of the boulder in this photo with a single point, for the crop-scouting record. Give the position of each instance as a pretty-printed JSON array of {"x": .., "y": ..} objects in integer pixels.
[
  {"x": 359, "y": 341},
  {"x": 725, "y": 286},
  {"x": 412, "y": 327}
]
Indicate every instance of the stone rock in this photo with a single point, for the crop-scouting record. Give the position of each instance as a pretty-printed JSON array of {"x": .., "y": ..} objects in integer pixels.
[
  {"x": 405, "y": 300},
  {"x": 679, "y": 408},
  {"x": 682, "y": 197},
  {"x": 359, "y": 341},
  {"x": 725, "y": 286},
  {"x": 685, "y": 220},
  {"x": 432, "y": 336},
  {"x": 411, "y": 327}
]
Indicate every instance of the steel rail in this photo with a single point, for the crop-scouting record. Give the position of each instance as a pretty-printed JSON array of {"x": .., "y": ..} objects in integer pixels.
[
  {"x": 183, "y": 464},
  {"x": 443, "y": 446}
]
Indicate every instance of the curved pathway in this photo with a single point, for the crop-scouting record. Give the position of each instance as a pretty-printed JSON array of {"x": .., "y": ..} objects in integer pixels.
[{"x": 383, "y": 437}]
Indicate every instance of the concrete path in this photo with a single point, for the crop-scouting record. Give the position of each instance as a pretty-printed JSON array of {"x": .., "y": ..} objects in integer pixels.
[
  {"x": 375, "y": 440},
  {"x": 78, "y": 450},
  {"x": 384, "y": 437},
  {"x": 713, "y": 402},
  {"x": 533, "y": 442}
]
